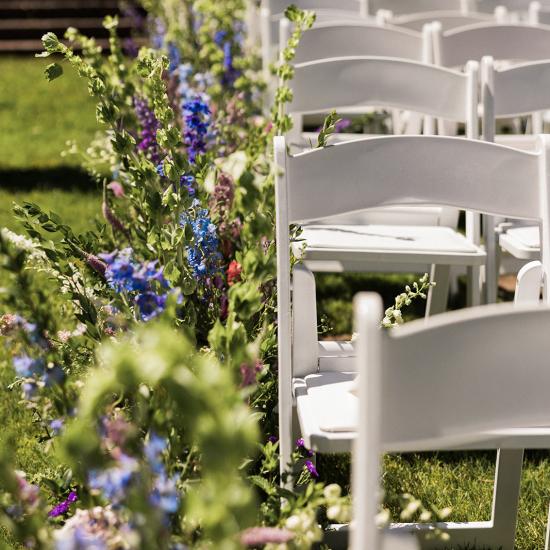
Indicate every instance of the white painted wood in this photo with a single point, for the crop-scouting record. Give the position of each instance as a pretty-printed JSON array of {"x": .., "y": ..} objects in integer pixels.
[
  {"x": 284, "y": 319},
  {"x": 438, "y": 295},
  {"x": 447, "y": 19},
  {"x": 454, "y": 47},
  {"x": 344, "y": 39},
  {"x": 445, "y": 170},
  {"x": 383, "y": 81},
  {"x": 400, "y": 7},
  {"x": 367, "y": 450},
  {"x": 529, "y": 283},
  {"x": 468, "y": 403},
  {"x": 305, "y": 349},
  {"x": 272, "y": 13}
]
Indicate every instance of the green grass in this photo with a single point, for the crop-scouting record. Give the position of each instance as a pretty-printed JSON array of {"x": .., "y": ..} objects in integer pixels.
[
  {"x": 38, "y": 117},
  {"x": 76, "y": 208}
]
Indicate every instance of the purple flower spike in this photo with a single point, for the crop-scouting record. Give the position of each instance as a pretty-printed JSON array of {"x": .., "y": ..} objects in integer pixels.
[
  {"x": 63, "y": 507},
  {"x": 312, "y": 469}
]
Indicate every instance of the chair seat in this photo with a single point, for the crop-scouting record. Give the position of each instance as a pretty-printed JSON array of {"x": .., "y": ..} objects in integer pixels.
[
  {"x": 388, "y": 243},
  {"x": 327, "y": 409},
  {"x": 522, "y": 242}
]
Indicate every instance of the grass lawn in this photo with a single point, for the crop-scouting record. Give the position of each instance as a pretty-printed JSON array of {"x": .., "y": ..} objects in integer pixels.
[{"x": 36, "y": 118}]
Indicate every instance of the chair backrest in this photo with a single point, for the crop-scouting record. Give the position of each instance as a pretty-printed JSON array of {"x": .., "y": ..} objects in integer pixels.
[
  {"x": 513, "y": 91},
  {"x": 479, "y": 369},
  {"x": 278, "y": 6},
  {"x": 345, "y": 39},
  {"x": 447, "y": 19},
  {"x": 521, "y": 6},
  {"x": 516, "y": 42},
  {"x": 272, "y": 13},
  {"x": 400, "y": 7},
  {"x": 386, "y": 82}
]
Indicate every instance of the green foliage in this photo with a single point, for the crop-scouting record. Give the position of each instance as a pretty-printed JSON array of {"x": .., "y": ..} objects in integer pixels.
[{"x": 329, "y": 126}]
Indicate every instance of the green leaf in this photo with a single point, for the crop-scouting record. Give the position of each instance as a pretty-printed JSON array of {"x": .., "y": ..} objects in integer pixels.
[
  {"x": 329, "y": 126},
  {"x": 53, "y": 71},
  {"x": 264, "y": 485},
  {"x": 51, "y": 42}
]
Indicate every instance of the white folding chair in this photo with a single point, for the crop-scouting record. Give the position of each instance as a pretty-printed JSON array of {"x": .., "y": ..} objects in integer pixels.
[
  {"x": 272, "y": 12},
  {"x": 504, "y": 42},
  {"x": 451, "y": 383},
  {"x": 315, "y": 377},
  {"x": 352, "y": 38},
  {"x": 513, "y": 91},
  {"x": 402, "y": 239}
]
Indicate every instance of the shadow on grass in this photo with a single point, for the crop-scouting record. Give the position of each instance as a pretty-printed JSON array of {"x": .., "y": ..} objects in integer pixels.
[{"x": 62, "y": 177}]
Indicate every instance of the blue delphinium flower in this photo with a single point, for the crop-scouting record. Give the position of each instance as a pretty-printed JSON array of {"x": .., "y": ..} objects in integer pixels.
[
  {"x": 223, "y": 41},
  {"x": 159, "y": 33},
  {"x": 150, "y": 305},
  {"x": 174, "y": 57},
  {"x": 165, "y": 494},
  {"x": 114, "y": 482},
  {"x": 124, "y": 274},
  {"x": 56, "y": 425},
  {"x": 29, "y": 390},
  {"x": 26, "y": 366},
  {"x": 196, "y": 118},
  {"x": 188, "y": 181},
  {"x": 153, "y": 449},
  {"x": 204, "y": 256}
]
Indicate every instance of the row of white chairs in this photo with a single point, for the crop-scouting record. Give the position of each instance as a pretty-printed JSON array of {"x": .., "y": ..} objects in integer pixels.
[
  {"x": 321, "y": 374},
  {"x": 479, "y": 373},
  {"x": 441, "y": 93},
  {"x": 451, "y": 15}
]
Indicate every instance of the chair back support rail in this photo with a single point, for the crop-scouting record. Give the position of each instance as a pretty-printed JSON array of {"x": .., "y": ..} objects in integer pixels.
[
  {"x": 388, "y": 82},
  {"x": 514, "y": 42},
  {"x": 344, "y": 39},
  {"x": 396, "y": 171},
  {"x": 448, "y": 19},
  {"x": 400, "y": 7},
  {"x": 278, "y": 6},
  {"x": 465, "y": 364}
]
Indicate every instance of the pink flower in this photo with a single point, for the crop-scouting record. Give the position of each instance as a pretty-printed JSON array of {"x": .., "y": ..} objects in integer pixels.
[
  {"x": 249, "y": 373},
  {"x": 117, "y": 189},
  {"x": 258, "y": 536}
]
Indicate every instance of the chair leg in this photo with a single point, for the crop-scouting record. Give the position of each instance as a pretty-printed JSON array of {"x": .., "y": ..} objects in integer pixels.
[
  {"x": 547, "y": 539},
  {"x": 492, "y": 268},
  {"x": 506, "y": 496},
  {"x": 473, "y": 296},
  {"x": 438, "y": 295}
]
